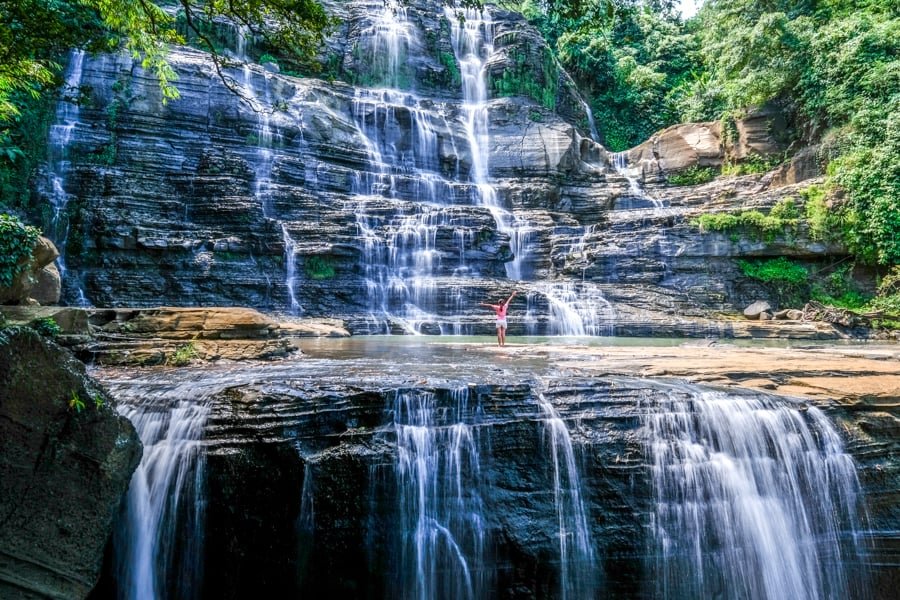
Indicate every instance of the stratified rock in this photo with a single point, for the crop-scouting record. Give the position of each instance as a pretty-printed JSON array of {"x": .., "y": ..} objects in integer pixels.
[
  {"x": 756, "y": 309},
  {"x": 758, "y": 133},
  {"x": 788, "y": 314},
  {"x": 195, "y": 323},
  {"x": 805, "y": 164},
  {"x": 66, "y": 458},
  {"x": 209, "y": 202}
]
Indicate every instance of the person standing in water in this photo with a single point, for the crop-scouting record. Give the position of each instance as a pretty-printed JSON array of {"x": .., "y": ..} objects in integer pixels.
[{"x": 500, "y": 309}]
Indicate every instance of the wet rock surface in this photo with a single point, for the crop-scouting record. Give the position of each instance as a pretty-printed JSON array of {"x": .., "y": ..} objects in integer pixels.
[
  {"x": 306, "y": 452},
  {"x": 212, "y": 200},
  {"x": 65, "y": 461},
  {"x": 174, "y": 335}
]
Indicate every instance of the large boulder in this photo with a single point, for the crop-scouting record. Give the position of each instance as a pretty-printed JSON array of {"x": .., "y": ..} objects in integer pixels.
[
  {"x": 39, "y": 280},
  {"x": 706, "y": 144},
  {"x": 759, "y": 133},
  {"x": 679, "y": 147},
  {"x": 756, "y": 310},
  {"x": 66, "y": 458}
]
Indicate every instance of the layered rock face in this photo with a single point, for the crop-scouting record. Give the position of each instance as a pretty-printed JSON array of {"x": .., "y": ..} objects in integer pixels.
[
  {"x": 312, "y": 483},
  {"x": 66, "y": 458},
  {"x": 458, "y": 168}
]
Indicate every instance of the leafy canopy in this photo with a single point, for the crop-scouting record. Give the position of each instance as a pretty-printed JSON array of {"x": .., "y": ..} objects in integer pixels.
[{"x": 35, "y": 33}]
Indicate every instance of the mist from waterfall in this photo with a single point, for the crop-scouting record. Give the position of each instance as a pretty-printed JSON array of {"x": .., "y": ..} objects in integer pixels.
[{"x": 754, "y": 498}]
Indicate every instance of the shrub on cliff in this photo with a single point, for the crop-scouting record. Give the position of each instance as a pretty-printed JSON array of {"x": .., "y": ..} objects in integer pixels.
[
  {"x": 17, "y": 241},
  {"x": 786, "y": 280}
]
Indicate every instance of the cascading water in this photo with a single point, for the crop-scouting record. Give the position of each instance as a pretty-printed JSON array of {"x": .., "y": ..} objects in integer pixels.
[
  {"x": 290, "y": 274},
  {"x": 619, "y": 162},
  {"x": 577, "y": 309},
  {"x": 442, "y": 524},
  {"x": 159, "y": 542},
  {"x": 259, "y": 99},
  {"x": 755, "y": 498},
  {"x": 472, "y": 36},
  {"x": 577, "y": 570},
  {"x": 400, "y": 257},
  {"x": 65, "y": 122}
]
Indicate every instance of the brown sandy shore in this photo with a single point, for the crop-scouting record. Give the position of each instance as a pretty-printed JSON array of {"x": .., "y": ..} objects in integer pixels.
[{"x": 851, "y": 375}]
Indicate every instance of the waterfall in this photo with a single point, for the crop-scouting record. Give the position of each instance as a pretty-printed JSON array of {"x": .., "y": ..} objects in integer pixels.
[
  {"x": 472, "y": 36},
  {"x": 402, "y": 202},
  {"x": 159, "y": 538},
  {"x": 577, "y": 567},
  {"x": 65, "y": 121},
  {"x": 755, "y": 498},
  {"x": 442, "y": 525},
  {"x": 306, "y": 521},
  {"x": 290, "y": 274},
  {"x": 159, "y": 544},
  {"x": 619, "y": 161},
  {"x": 262, "y": 158},
  {"x": 578, "y": 309}
]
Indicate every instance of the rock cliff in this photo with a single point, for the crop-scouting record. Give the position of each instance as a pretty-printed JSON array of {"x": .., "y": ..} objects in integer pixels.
[
  {"x": 363, "y": 201},
  {"x": 306, "y": 492},
  {"x": 66, "y": 458}
]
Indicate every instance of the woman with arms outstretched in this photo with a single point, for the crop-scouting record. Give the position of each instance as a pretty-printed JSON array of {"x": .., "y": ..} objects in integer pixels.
[{"x": 500, "y": 309}]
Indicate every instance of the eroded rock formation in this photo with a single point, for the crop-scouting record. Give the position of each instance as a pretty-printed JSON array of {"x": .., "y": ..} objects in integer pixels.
[{"x": 66, "y": 458}]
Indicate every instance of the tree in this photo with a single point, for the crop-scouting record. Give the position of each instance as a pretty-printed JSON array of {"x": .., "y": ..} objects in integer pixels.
[{"x": 34, "y": 33}]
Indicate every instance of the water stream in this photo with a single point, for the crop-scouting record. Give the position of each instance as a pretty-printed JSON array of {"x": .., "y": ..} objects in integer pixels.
[
  {"x": 472, "y": 36},
  {"x": 59, "y": 164},
  {"x": 159, "y": 542},
  {"x": 442, "y": 522},
  {"x": 747, "y": 495},
  {"x": 755, "y": 498},
  {"x": 578, "y": 569}
]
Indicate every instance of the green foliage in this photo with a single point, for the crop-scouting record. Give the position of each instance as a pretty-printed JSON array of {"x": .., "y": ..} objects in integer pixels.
[
  {"x": 633, "y": 60},
  {"x": 317, "y": 267},
  {"x": 76, "y": 403},
  {"x": 449, "y": 61},
  {"x": 887, "y": 302},
  {"x": 869, "y": 176},
  {"x": 183, "y": 355},
  {"x": 818, "y": 217},
  {"x": 98, "y": 401},
  {"x": 783, "y": 218},
  {"x": 786, "y": 280},
  {"x": 22, "y": 146},
  {"x": 16, "y": 244},
  {"x": 838, "y": 289},
  {"x": 837, "y": 65},
  {"x": 523, "y": 79},
  {"x": 47, "y": 327},
  {"x": 267, "y": 58},
  {"x": 34, "y": 33},
  {"x": 694, "y": 175},
  {"x": 751, "y": 165}
]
